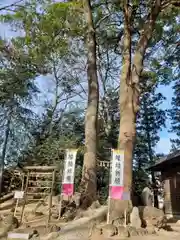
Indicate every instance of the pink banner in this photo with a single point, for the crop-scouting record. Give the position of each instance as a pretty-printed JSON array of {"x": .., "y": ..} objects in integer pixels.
[
  {"x": 67, "y": 189},
  {"x": 116, "y": 192}
]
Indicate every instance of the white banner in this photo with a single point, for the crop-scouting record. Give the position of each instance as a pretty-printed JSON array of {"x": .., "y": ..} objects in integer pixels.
[
  {"x": 16, "y": 236},
  {"x": 117, "y": 168},
  {"x": 69, "y": 166}
]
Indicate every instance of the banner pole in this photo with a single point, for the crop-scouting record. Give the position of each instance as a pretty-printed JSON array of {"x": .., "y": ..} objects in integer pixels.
[
  {"x": 109, "y": 197},
  {"x": 60, "y": 207},
  {"x": 108, "y": 212},
  {"x": 62, "y": 179}
]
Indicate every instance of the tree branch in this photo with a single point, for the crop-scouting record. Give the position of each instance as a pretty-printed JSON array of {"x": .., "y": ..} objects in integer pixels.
[
  {"x": 140, "y": 51},
  {"x": 148, "y": 27},
  {"x": 167, "y": 3},
  {"x": 142, "y": 44},
  {"x": 101, "y": 20},
  {"x": 11, "y": 5}
]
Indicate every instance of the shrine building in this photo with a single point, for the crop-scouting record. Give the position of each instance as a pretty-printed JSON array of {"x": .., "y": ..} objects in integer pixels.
[{"x": 169, "y": 167}]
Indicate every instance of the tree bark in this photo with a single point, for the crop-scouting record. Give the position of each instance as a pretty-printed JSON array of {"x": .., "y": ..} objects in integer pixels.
[
  {"x": 127, "y": 116},
  {"x": 6, "y": 137},
  {"x": 130, "y": 92},
  {"x": 88, "y": 181}
]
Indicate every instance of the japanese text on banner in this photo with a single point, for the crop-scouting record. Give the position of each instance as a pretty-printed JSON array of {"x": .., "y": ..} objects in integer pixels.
[
  {"x": 116, "y": 187},
  {"x": 69, "y": 166},
  {"x": 117, "y": 169}
]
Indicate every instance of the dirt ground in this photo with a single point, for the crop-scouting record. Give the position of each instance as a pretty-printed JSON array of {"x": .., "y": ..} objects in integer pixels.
[
  {"x": 77, "y": 234},
  {"x": 83, "y": 234},
  {"x": 162, "y": 235}
]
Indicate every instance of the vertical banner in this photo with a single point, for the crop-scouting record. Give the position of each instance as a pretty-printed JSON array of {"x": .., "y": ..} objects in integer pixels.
[
  {"x": 68, "y": 174},
  {"x": 116, "y": 187}
]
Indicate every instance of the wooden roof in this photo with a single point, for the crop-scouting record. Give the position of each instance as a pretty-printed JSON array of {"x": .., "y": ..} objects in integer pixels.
[{"x": 167, "y": 161}]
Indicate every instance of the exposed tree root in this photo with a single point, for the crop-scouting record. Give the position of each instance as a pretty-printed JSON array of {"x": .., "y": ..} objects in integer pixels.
[{"x": 91, "y": 216}]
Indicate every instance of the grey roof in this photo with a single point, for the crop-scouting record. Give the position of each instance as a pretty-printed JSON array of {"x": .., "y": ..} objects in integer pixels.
[{"x": 170, "y": 158}]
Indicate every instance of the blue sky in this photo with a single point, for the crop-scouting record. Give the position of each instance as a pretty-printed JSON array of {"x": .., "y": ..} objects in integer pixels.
[{"x": 164, "y": 144}]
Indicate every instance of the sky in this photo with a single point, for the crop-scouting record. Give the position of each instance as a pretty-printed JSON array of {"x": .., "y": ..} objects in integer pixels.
[{"x": 164, "y": 144}]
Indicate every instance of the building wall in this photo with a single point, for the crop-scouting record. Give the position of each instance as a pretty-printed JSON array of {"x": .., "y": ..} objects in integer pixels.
[{"x": 172, "y": 191}]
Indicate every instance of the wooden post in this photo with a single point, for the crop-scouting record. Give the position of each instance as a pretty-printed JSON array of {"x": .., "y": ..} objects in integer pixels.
[
  {"x": 22, "y": 187},
  {"x": 60, "y": 207},
  {"x": 25, "y": 191},
  {"x": 108, "y": 212},
  {"x": 125, "y": 218},
  {"x": 109, "y": 196},
  {"x": 17, "y": 201},
  {"x": 50, "y": 196}
]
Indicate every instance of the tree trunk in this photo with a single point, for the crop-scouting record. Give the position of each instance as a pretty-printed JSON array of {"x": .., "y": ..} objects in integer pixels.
[
  {"x": 4, "y": 152},
  {"x": 88, "y": 181},
  {"x": 127, "y": 116},
  {"x": 129, "y": 94}
]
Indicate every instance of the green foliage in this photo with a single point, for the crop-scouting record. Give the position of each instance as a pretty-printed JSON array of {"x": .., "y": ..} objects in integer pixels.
[
  {"x": 150, "y": 120},
  {"x": 16, "y": 94},
  {"x": 175, "y": 114}
]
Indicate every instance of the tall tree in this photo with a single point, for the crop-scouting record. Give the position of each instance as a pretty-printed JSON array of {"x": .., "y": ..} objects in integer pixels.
[
  {"x": 132, "y": 66},
  {"x": 17, "y": 90},
  {"x": 89, "y": 167},
  {"x": 49, "y": 31}
]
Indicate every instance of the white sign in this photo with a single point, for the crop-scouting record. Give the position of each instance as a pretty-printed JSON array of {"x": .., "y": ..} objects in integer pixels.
[
  {"x": 117, "y": 168},
  {"x": 18, "y": 194},
  {"x": 12, "y": 235},
  {"x": 69, "y": 166}
]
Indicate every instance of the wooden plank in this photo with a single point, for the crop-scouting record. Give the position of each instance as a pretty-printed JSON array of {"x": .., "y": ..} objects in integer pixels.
[
  {"x": 40, "y": 173},
  {"x": 43, "y": 193},
  {"x": 40, "y": 181},
  {"x": 41, "y": 168},
  {"x": 39, "y": 187},
  {"x": 37, "y": 199},
  {"x": 43, "y": 181},
  {"x": 7, "y": 197}
]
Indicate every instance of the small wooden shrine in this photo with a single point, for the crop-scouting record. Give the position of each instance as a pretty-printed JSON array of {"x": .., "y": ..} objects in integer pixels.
[{"x": 169, "y": 167}]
